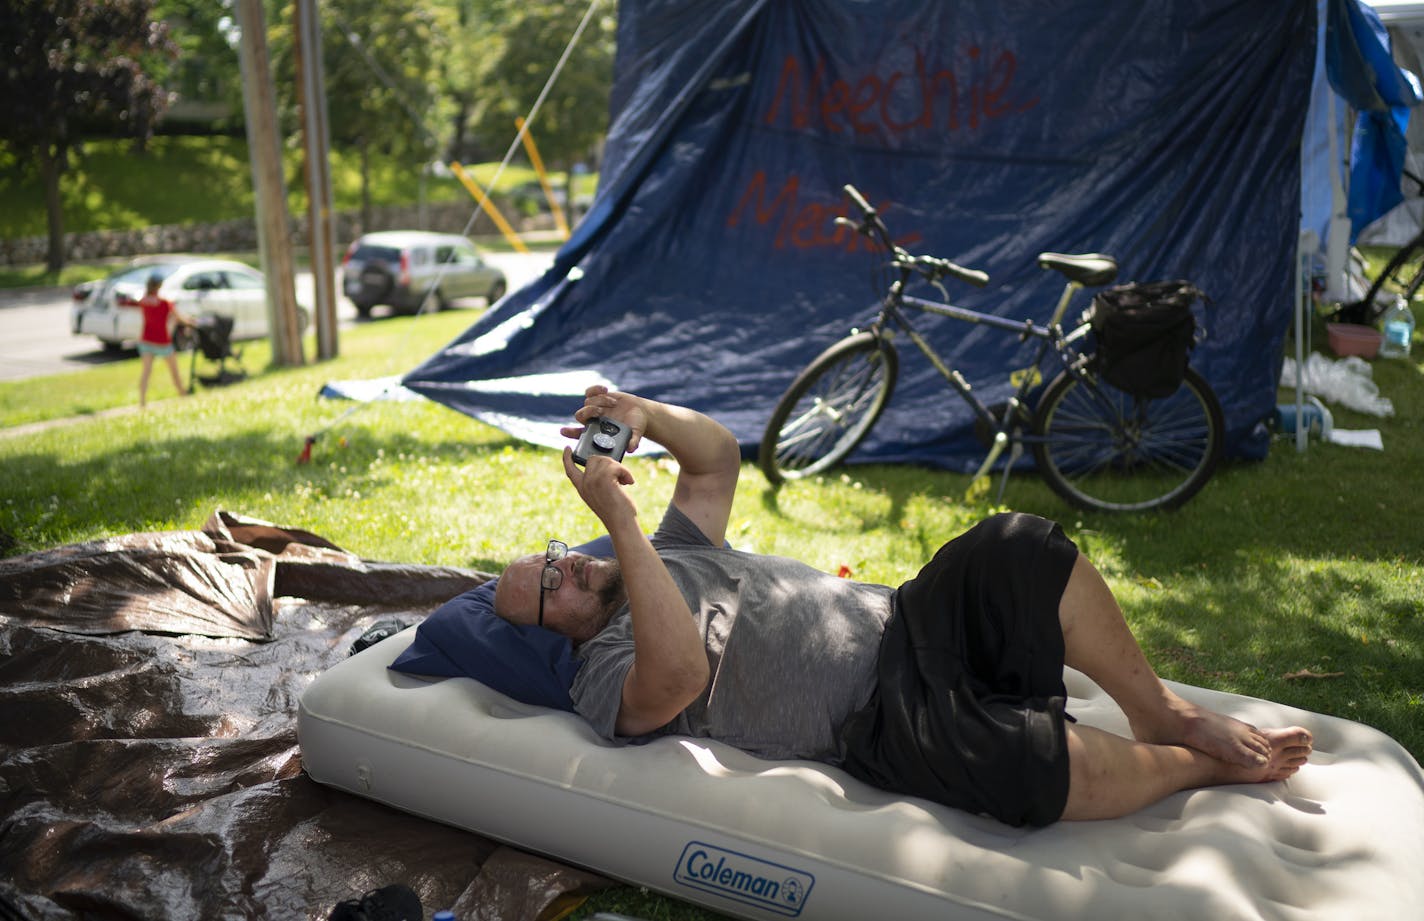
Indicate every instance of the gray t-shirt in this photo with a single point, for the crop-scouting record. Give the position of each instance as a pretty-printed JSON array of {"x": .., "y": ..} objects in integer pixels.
[{"x": 792, "y": 649}]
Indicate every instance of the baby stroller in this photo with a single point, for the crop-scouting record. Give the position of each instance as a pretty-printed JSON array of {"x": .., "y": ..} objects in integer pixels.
[{"x": 212, "y": 335}]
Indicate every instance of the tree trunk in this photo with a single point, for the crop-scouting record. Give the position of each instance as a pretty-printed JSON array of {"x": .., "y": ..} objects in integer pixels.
[
  {"x": 49, "y": 172},
  {"x": 457, "y": 139}
]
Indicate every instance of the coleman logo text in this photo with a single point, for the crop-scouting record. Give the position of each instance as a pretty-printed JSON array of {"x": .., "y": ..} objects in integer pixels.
[{"x": 746, "y": 879}]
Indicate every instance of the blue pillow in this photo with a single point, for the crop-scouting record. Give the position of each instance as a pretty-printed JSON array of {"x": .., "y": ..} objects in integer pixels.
[{"x": 464, "y": 637}]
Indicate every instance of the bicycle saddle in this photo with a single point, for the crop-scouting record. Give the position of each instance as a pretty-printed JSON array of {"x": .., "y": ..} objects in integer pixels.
[{"x": 1090, "y": 269}]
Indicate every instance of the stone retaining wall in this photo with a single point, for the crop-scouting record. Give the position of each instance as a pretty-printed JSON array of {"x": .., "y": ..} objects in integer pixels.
[{"x": 240, "y": 235}]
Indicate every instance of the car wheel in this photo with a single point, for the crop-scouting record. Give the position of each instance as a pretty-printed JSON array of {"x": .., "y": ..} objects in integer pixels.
[
  {"x": 112, "y": 345},
  {"x": 363, "y": 309},
  {"x": 496, "y": 292},
  {"x": 436, "y": 301}
]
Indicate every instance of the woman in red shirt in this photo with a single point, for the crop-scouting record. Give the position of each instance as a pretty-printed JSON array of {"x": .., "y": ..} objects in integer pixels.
[{"x": 157, "y": 337}]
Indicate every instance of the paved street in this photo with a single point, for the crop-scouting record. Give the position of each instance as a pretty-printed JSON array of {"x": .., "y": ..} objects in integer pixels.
[{"x": 34, "y": 322}]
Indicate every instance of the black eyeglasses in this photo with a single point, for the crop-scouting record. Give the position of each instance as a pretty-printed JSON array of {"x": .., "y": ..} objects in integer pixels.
[{"x": 551, "y": 577}]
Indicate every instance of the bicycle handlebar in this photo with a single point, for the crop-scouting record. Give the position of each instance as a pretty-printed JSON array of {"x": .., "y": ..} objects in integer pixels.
[
  {"x": 931, "y": 267},
  {"x": 859, "y": 200},
  {"x": 870, "y": 223}
]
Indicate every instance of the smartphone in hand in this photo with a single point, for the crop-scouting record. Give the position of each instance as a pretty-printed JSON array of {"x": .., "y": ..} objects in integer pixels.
[{"x": 602, "y": 436}]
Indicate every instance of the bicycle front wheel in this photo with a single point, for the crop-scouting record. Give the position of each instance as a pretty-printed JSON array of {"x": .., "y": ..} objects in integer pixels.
[
  {"x": 829, "y": 408},
  {"x": 1107, "y": 450}
]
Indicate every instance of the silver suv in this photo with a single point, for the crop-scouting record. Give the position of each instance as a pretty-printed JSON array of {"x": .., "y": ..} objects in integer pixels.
[{"x": 404, "y": 268}]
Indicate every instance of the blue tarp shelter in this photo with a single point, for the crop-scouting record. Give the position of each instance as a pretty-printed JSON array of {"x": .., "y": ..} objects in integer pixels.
[
  {"x": 1404, "y": 20},
  {"x": 709, "y": 270},
  {"x": 1351, "y": 174}
]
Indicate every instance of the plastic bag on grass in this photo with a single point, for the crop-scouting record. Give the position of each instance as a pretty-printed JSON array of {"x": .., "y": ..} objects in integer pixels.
[{"x": 1349, "y": 382}]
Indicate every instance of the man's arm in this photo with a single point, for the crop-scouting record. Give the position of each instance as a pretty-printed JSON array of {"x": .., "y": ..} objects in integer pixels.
[
  {"x": 670, "y": 665},
  {"x": 708, "y": 457}
]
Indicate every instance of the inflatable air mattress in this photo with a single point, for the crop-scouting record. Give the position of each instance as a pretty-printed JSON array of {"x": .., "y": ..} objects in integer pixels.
[{"x": 709, "y": 824}]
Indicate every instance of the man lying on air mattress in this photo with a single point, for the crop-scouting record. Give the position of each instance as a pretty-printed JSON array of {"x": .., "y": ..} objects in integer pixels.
[{"x": 948, "y": 688}]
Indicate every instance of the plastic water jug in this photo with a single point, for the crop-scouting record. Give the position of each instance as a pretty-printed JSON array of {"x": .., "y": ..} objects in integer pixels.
[{"x": 1398, "y": 328}]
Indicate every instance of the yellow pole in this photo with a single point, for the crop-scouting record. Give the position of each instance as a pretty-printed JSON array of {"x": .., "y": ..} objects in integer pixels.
[
  {"x": 484, "y": 202},
  {"x": 543, "y": 176}
]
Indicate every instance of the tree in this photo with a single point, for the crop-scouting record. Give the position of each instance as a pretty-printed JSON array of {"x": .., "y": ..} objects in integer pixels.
[
  {"x": 527, "y": 38},
  {"x": 207, "y": 75},
  {"x": 74, "y": 68},
  {"x": 474, "y": 42},
  {"x": 383, "y": 64}
]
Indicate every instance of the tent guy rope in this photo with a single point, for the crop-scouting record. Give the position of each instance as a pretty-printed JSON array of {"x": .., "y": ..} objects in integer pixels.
[{"x": 519, "y": 139}]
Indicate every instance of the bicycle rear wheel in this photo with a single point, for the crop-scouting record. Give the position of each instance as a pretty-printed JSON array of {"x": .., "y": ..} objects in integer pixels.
[
  {"x": 829, "y": 408},
  {"x": 1107, "y": 450}
]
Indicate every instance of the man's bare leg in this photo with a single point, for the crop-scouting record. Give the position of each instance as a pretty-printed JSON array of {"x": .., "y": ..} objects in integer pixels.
[
  {"x": 1110, "y": 776},
  {"x": 1098, "y": 643}
]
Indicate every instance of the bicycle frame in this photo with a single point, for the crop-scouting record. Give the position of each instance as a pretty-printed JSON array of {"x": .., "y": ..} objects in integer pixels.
[{"x": 1051, "y": 336}]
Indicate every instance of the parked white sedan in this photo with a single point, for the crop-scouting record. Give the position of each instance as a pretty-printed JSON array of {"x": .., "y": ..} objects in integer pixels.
[{"x": 196, "y": 285}]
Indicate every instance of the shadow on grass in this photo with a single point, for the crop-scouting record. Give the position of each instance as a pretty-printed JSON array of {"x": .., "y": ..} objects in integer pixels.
[
  {"x": 1256, "y": 509},
  {"x": 125, "y": 489},
  {"x": 1326, "y": 642}
]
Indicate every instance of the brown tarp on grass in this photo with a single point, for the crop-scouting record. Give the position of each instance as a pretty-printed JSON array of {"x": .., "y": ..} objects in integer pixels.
[{"x": 149, "y": 765}]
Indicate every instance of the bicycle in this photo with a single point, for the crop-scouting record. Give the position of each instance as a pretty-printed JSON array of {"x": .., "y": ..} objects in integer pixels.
[
  {"x": 1096, "y": 446},
  {"x": 1403, "y": 274}
]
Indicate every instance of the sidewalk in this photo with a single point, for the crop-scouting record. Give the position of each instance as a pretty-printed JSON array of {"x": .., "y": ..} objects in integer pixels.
[{"x": 30, "y": 428}]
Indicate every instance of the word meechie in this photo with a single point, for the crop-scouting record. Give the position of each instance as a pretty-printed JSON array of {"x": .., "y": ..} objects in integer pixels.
[{"x": 929, "y": 99}]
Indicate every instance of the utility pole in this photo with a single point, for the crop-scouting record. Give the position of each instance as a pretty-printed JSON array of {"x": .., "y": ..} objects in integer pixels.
[
  {"x": 259, "y": 101},
  {"x": 316, "y": 144}
]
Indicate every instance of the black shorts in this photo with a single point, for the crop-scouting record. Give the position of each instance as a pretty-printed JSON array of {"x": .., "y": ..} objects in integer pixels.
[{"x": 969, "y": 706}]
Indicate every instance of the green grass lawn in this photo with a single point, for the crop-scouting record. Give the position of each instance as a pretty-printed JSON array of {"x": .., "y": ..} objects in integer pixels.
[
  {"x": 1301, "y": 562},
  {"x": 182, "y": 180}
]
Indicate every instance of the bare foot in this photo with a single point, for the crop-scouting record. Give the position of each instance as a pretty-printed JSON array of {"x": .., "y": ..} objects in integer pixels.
[
  {"x": 1290, "y": 749},
  {"x": 1223, "y": 737}
]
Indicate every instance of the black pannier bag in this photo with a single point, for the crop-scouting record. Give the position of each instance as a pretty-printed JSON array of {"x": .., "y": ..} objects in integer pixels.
[{"x": 1146, "y": 333}]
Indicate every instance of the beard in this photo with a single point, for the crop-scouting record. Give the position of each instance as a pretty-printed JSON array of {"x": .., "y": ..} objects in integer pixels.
[
  {"x": 611, "y": 595},
  {"x": 608, "y": 597}
]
